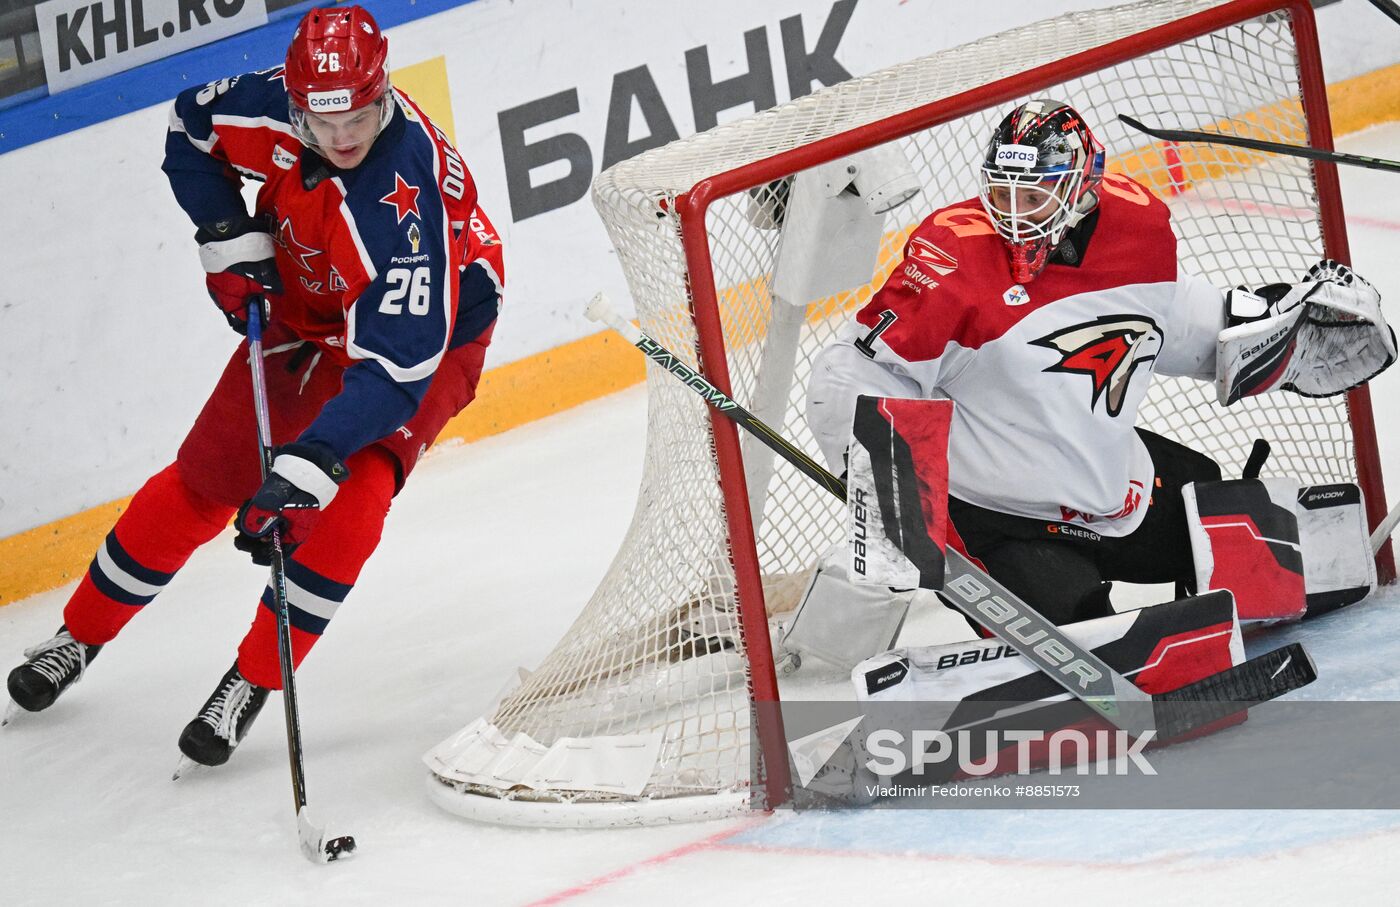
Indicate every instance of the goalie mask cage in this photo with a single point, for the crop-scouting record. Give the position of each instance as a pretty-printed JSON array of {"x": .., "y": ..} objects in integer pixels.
[{"x": 643, "y": 712}]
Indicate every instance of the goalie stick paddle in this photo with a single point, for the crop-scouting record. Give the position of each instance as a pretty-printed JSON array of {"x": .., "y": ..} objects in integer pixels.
[
  {"x": 1238, "y": 141},
  {"x": 312, "y": 837},
  {"x": 995, "y": 608}
]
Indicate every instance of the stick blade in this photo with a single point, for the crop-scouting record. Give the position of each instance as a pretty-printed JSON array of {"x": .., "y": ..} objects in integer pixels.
[
  {"x": 1233, "y": 690},
  {"x": 1135, "y": 124},
  {"x": 314, "y": 844}
]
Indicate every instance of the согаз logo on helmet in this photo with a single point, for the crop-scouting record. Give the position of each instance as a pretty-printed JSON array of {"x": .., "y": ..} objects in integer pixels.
[
  {"x": 1018, "y": 155},
  {"x": 328, "y": 101}
]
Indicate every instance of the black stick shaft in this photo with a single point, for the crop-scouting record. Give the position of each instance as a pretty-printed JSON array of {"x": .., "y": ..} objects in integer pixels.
[
  {"x": 279, "y": 572},
  {"x": 1304, "y": 151},
  {"x": 1389, "y": 7}
]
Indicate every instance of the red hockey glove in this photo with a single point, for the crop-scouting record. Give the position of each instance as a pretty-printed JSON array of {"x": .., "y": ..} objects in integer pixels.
[
  {"x": 303, "y": 481},
  {"x": 240, "y": 265}
]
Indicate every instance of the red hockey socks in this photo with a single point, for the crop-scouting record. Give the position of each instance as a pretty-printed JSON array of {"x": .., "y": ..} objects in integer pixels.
[
  {"x": 161, "y": 528},
  {"x": 321, "y": 572}
]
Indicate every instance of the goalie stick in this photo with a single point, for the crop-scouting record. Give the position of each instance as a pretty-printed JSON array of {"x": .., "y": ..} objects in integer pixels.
[
  {"x": 1005, "y": 615},
  {"x": 1385, "y": 528},
  {"x": 312, "y": 837},
  {"x": 1239, "y": 141},
  {"x": 1389, "y": 7}
]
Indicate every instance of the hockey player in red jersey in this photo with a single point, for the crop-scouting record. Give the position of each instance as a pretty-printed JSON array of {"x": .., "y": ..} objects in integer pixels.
[
  {"x": 1043, "y": 309},
  {"x": 381, "y": 279}
]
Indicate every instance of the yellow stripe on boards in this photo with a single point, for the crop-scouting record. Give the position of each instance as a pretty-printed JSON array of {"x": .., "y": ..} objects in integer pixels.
[
  {"x": 426, "y": 84},
  {"x": 50, "y": 555}
]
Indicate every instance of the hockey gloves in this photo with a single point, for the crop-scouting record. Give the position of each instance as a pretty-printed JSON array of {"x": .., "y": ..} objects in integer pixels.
[
  {"x": 302, "y": 482},
  {"x": 239, "y": 264}
]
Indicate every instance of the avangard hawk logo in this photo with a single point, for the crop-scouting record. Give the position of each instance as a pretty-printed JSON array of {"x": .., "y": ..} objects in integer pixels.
[{"x": 1108, "y": 350}]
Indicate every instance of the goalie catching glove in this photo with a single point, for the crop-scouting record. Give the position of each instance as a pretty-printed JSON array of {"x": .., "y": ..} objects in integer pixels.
[{"x": 1321, "y": 336}]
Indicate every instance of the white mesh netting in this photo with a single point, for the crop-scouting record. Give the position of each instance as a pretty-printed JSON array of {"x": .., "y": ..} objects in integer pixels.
[{"x": 657, "y": 653}]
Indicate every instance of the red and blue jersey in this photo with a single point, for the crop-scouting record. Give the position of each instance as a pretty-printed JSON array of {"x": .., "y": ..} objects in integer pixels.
[{"x": 385, "y": 267}]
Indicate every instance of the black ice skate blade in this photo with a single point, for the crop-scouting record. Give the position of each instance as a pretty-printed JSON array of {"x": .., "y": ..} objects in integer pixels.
[{"x": 314, "y": 844}]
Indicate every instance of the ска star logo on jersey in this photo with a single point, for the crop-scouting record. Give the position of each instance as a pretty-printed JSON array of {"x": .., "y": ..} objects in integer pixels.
[
  {"x": 404, "y": 198},
  {"x": 1108, "y": 350}
]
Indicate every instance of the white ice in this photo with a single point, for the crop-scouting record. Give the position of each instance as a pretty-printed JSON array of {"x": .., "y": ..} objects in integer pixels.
[{"x": 487, "y": 556}]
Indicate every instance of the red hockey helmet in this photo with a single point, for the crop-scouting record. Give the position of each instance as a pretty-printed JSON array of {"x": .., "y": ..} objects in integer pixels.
[
  {"x": 338, "y": 61},
  {"x": 1040, "y": 177}
]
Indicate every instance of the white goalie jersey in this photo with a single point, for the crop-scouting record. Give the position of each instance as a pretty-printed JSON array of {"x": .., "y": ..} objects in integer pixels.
[{"x": 1047, "y": 378}]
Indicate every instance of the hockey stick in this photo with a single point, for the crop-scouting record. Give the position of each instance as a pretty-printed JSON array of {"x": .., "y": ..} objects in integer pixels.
[
  {"x": 311, "y": 836},
  {"x": 1388, "y": 7},
  {"x": 1217, "y": 138},
  {"x": 1005, "y": 615},
  {"x": 1386, "y": 527}
]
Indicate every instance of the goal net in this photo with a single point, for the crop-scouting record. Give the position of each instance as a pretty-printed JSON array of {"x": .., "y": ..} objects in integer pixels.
[{"x": 643, "y": 711}]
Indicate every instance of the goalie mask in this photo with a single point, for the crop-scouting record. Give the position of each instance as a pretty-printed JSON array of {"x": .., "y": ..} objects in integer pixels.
[
  {"x": 1040, "y": 177},
  {"x": 338, "y": 65}
]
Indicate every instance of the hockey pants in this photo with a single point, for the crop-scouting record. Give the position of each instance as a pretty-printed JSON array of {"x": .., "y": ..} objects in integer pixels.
[{"x": 192, "y": 500}]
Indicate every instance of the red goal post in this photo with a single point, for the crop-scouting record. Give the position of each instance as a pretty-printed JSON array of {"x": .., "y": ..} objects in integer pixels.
[{"x": 644, "y": 710}]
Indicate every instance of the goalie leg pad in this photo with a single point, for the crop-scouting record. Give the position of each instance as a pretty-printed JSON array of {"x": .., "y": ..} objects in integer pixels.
[
  {"x": 1160, "y": 648},
  {"x": 969, "y": 689},
  {"x": 842, "y": 622},
  {"x": 1338, "y": 566},
  {"x": 897, "y": 491},
  {"x": 1244, "y": 537}
]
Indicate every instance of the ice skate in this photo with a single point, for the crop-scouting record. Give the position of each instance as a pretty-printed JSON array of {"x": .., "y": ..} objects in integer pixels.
[
  {"x": 50, "y": 668},
  {"x": 228, "y": 713}
]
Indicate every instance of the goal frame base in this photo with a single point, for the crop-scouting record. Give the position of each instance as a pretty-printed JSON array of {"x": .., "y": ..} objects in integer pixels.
[{"x": 614, "y": 814}]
